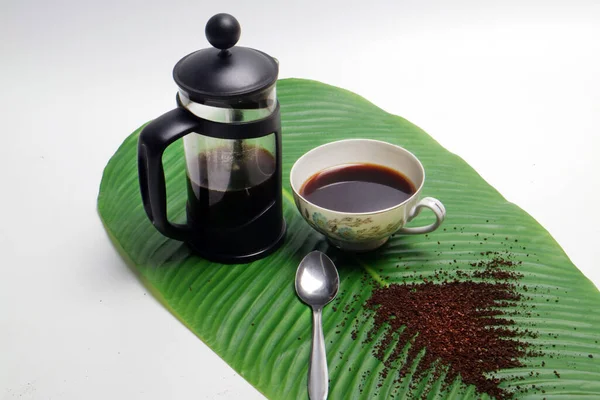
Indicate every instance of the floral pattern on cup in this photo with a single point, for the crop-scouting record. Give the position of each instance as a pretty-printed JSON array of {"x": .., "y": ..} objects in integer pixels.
[{"x": 342, "y": 228}]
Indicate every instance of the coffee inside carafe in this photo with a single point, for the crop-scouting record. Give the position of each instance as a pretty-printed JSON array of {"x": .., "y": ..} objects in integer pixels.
[{"x": 231, "y": 185}]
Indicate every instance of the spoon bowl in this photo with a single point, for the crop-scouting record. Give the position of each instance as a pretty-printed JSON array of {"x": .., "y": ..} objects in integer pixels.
[{"x": 317, "y": 279}]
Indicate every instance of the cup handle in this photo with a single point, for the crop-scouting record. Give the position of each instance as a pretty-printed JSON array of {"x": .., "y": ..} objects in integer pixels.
[
  {"x": 434, "y": 205},
  {"x": 152, "y": 142}
]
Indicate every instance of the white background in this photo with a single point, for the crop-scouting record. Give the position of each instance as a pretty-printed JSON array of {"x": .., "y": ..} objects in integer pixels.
[{"x": 511, "y": 86}]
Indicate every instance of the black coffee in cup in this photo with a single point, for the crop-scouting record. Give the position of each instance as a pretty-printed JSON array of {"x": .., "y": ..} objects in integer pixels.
[{"x": 357, "y": 188}]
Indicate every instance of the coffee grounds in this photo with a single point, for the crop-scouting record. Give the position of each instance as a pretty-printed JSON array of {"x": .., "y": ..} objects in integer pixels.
[
  {"x": 497, "y": 268},
  {"x": 460, "y": 317},
  {"x": 458, "y": 323}
]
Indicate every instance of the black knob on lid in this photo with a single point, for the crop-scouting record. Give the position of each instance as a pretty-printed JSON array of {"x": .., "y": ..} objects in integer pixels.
[{"x": 223, "y": 31}]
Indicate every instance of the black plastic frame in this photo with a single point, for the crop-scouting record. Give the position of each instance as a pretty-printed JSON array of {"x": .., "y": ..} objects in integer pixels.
[{"x": 173, "y": 125}]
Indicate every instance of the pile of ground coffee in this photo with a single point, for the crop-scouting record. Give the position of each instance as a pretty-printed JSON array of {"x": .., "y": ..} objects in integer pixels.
[
  {"x": 461, "y": 320},
  {"x": 456, "y": 322}
]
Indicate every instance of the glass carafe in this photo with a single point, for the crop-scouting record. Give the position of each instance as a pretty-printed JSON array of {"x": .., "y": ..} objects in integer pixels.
[{"x": 232, "y": 141}]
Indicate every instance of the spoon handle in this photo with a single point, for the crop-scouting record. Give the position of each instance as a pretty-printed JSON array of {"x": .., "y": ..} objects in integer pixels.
[{"x": 318, "y": 376}]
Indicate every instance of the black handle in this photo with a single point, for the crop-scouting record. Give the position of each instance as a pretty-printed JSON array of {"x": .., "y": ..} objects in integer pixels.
[{"x": 152, "y": 142}]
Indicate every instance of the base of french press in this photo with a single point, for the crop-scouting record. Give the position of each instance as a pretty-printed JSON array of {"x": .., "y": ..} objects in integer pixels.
[{"x": 239, "y": 258}]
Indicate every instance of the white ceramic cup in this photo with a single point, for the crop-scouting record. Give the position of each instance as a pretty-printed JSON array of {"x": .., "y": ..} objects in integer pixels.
[{"x": 368, "y": 230}]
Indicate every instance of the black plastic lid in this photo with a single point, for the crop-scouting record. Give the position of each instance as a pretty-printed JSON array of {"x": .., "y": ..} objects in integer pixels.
[{"x": 224, "y": 73}]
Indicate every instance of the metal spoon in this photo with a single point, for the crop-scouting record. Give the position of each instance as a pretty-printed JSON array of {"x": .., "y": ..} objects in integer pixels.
[{"x": 317, "y": 283}]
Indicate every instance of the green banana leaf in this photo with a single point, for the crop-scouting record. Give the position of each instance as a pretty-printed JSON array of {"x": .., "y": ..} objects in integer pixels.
[{"x": 250, "y": 315}]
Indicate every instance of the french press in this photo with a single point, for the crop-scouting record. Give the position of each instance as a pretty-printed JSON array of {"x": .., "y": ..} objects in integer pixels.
[{"x": 228, "y": 116}]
